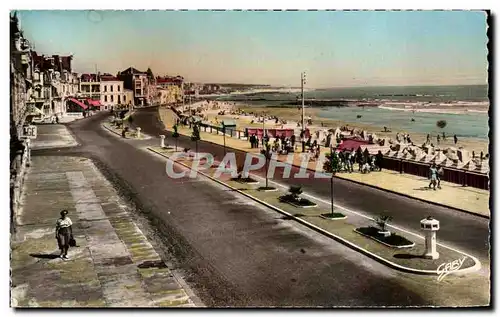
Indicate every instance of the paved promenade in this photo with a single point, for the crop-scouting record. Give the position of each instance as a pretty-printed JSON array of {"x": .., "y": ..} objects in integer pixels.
[
  {"x": 453, "y": 195},
  {"x": 53, "y": 135},
  {"x": 114, "y": 264}
]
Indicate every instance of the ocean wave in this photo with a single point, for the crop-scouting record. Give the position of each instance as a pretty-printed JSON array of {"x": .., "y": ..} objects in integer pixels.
[{"x": 434, "y": 110}]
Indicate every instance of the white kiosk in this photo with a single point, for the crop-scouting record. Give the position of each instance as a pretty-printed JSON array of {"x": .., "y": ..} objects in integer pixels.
[
  {"x": 430, "y": 226},
  {"x": 162, "y": 141}
]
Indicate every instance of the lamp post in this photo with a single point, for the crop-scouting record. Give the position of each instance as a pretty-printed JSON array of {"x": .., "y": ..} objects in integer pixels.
[
  {"x": 331, "y": 179},
  {"x": 302, "y": 83},
  {"x": 224, "y": 136}
]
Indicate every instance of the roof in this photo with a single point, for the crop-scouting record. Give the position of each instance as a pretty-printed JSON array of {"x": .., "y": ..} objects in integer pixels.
[
  {"x": 88, "y": 77},
  {"x": 132, "y": 70},
  {"x": 109, "y": 78}
]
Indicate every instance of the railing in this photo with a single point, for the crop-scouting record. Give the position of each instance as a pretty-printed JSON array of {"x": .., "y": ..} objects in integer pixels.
[{"x": 452, "y": 175}]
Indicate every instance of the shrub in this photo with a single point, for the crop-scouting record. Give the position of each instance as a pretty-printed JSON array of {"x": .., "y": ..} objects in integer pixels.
[{"x": 382, "y": 221}]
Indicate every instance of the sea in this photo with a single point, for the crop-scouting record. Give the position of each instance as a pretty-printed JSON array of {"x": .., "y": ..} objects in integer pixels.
[{"x": 464, "y": 108}]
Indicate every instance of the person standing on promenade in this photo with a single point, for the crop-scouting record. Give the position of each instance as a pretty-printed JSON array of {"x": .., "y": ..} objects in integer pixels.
[
  {"x": 440, "y": 173},
  {"x": 433, "y": 176},
  {"x": 64, "y": 233},
  {"x": 379, "y": 159},
  {"x": 455, "y": 139},
  {"x": 438, "y": 138}
]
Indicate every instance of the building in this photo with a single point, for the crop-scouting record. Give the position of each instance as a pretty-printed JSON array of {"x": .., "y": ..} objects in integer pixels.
[
  {"x": 54, "y": 83},
  {"x": 138, "y": 82},
  {"x": 128, "y": 97},
  {"x": 112, "y": 92},
  {"x": 21, "y": 82},
  {"x": 170, "y": 95},
  {"x": 90, "y": 87},
  {"x": 164, "y": 82}
]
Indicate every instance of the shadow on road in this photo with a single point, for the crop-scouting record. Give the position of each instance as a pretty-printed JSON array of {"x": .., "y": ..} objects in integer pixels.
[
  {"x": 407, "y": 256},
  {"x": 44, "y": 256}
]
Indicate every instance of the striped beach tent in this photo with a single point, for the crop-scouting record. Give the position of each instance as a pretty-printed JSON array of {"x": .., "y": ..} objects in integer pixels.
[
  {"x": 426, "y": 158},
  {"x": 439, "y": 158},
  {"x": 455, "y": 164},
  {"x": 408, "y": 156},
  {"x": 483, "y": 167},
  {"x": 470, "y": 166}
]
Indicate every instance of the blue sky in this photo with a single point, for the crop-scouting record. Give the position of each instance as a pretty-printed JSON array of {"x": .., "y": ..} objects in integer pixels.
[{"x": 335, "y": 48}]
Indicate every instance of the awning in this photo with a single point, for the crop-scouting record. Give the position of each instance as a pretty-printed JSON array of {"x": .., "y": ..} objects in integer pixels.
[
  {"x": 95, "y": 103},
  {"x": 78, "y": 102}
]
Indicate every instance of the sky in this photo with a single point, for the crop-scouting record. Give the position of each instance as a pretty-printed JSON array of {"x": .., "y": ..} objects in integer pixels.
[{"x": 334, "y": 48}]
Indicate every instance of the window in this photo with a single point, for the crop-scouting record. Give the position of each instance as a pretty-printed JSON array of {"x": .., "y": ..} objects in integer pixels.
[
  {"x": 105, "y": 88},
  {"x": 111, "y": 88},
  {"x": 124, "y": 98},
  {"x": 119, "y": 101},
  {"x": 105, "y": 98},
  {"x": 118, "y": 88},
  {"x": 111, "y": 96}
]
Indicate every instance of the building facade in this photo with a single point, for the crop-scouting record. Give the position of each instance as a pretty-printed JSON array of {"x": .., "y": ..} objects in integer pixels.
[
  {"x": 112, "y": 92},
  {"x": 21, "y": 83},
  {"x": 142, "y": 84},
  {"x": 128, "y": 97}
]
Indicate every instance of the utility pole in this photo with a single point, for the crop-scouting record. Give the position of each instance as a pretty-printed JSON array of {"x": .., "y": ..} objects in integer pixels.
[{"x": 302, "y": 83}]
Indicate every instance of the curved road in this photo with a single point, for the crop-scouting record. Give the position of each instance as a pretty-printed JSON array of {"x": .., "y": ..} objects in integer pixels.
[
  {"x": 406, "y": 212},
  {"x": 238, "y": 253}
]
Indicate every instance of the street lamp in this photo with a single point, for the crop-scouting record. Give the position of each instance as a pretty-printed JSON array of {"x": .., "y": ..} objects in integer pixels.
[
  {"x": 302, "y": 83},
  {"x": 224, "y": 135},
  {"x": 331, "y": 179}
]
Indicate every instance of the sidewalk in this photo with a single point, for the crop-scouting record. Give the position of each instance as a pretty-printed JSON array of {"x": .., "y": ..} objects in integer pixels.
[
  {"x": 470, "y": 199},
  {"x": 114, "y": 264},
  {"x": 52, "y": 135}
]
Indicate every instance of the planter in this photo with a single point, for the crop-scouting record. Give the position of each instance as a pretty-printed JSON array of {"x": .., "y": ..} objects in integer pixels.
[
  {"x": 384, "y": 233},
  {"x": 247, "y": 180},
  {"x": 267, "y": 189},
  {"x": 299, "y": 203},
  {"x": 393, "y": 240},
  {"x": 336, "y": 216}
]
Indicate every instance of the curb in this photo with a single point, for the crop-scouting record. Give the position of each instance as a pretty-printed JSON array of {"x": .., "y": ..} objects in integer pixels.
[
  {"x": 343, "y": 241},
  {"x": 372, "y": 186},
  {"x": 126, "y": 138}
]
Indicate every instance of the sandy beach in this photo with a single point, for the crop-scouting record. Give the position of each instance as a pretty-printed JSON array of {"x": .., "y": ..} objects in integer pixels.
[{"x": 292, "y": 115}]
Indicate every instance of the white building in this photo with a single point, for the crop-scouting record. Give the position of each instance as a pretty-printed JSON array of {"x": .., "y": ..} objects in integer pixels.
[{"x": 112, "y": 92}]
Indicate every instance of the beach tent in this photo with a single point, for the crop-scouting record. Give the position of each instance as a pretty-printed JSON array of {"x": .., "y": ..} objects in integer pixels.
[
  {"x": 408, "y": 156},
  {"x": 439, "y": 158},
  {"x": 426, "y": 158},
  {"x": 483, "y": 167},
  {"x": 470, "y": 166},
  {"x": 457, "y": 164},
  {"x": 464, "y": 155}
]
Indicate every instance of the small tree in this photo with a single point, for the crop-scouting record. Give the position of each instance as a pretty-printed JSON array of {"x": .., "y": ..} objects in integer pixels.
[
  {"x": 332, "y": 164},
  {"x": 175, "y": 135},
  {"x": 195, "y": 136},
  {"x": 382, "y": 222},
  {"x": 441, "y": 124}
]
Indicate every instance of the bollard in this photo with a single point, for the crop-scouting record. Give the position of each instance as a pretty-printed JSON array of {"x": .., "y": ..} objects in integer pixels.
[
  {"x": 430, "y": 226},
  {"x": 162, "y": 141},
  {"x": 138, "y": 133}
]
